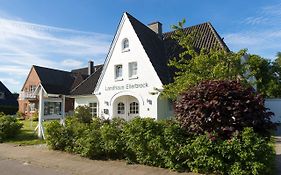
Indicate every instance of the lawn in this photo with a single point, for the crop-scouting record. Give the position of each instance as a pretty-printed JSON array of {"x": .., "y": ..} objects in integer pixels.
[{"x": 27, "y": 136}]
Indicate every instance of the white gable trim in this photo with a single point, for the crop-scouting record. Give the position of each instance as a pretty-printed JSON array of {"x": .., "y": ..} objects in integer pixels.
[{"x": 108, "y": 57}]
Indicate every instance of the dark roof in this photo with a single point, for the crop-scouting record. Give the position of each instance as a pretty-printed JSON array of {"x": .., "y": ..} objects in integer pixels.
[
  {"x": 88, "y": 86},
  {"x": 82, "y": 71},
  {"x": 55, "y": 81},
  {"x": 9, "y": 99},
  {"x": 160, "y": 50},
  {"x": 154, "y": 48}
]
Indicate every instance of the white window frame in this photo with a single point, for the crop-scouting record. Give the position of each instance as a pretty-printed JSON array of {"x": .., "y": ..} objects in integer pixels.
[
  {"x": 120, "y": 108},
  {"x": 125, "y": 45},
  {"x": 134, "y": 108},
  {"x": 133, "y": 70},
  {"x": 118, "y": 75},
  {"x": 94, "y": 108}
]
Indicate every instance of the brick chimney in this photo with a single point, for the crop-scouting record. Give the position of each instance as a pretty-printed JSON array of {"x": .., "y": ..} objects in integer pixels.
[
  {"x": 90, "y": 67},
  {"x": 156, "y": 27}
]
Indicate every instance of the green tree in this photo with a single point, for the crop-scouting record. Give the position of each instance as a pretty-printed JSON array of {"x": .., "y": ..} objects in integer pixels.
[
  {"x": 267, "y": 74},
  {"x": 192, "y": 66}
]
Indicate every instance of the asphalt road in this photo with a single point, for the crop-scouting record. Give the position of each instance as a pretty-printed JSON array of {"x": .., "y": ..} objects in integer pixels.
[{"x": 16, "y": 167}]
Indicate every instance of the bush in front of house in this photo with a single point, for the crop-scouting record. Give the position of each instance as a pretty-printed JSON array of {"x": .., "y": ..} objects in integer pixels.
[
  {"x": 9, "y": 127},
  {"x": 83, "y": 114},
  {"x": 164, "y": 144},
  {"x": 222, "y": 107}
]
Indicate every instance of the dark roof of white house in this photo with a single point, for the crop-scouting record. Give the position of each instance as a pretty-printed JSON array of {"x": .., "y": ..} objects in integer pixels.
[{"x": 158, "y": 49}]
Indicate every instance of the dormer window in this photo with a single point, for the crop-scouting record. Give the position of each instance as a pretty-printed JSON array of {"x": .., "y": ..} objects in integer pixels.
[{"x": 125, "y": 45}]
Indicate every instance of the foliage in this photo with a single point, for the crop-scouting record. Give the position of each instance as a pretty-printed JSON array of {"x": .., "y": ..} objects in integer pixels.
[
  {"x": 83, "y": 114},
  {"x": 193, "y": 66},
  {"x": 113, "y": 143},
  {"x": 9, "y": 127},
  {"x": 222, "y": 107},
  {"x": 20, "y": 115},
  {"x": 164, "y": 144},
  {"x": 35, "y": 116},
  {"x": 267, "y": 74}
]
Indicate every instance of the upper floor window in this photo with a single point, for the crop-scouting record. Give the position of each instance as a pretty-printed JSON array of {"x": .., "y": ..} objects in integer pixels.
[
  {"x": 133, "y": 70},
  {"x": 125, "y": 44},
  {"x": 118, "y": 72},
  {"x": 32, "y": 88}
]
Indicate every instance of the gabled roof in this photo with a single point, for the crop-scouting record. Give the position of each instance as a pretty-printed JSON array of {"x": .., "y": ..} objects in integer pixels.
[
  {"x": 55, "y": 81},
  {"x": 160, "y": 50},
  {"x": 88, "y": 86},
  {"x": 154, "y": 48},
  {"x": 10, "y": 99}
]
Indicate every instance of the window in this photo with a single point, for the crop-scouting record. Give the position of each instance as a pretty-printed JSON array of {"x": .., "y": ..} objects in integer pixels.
[
  {"x": 118, "y": 71},
  {"x": 133, "y": 69},
  {"x": 134, "y": 108},
  {"x": 51, "y": 108},
  {"x": 32, "y": 107},
  {"x": 94, "y": 109},
  {"x": 32, "y": 88},
  {"x": 2, "y": 95},
  {"x": 120, "y": 108},
  {"x": 125, "y": 44}
]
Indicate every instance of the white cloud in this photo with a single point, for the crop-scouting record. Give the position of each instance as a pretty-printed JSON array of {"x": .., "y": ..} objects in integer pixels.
[
  {"x": 265, "y": 43},
  {"x": 24, "y": 44}
]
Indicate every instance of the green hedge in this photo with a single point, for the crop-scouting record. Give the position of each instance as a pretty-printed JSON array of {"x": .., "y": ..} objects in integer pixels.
[
  {"x": 164, "y": 144},
  {"x": 9, "y": 127}
]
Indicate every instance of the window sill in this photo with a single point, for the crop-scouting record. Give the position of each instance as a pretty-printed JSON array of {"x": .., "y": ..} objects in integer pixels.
[
  {"x": 125, "y": 50},
  {"x": 118, "y": 79},
  {"x": 134, "y": 77}
]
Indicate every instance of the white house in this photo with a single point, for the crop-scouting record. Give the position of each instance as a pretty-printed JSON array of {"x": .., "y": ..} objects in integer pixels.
[{"x": 131, "y": 80}]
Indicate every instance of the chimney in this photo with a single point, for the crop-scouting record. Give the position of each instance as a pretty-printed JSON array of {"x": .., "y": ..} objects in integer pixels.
[
  {"x": 156, "y": 27},
  {"x": 90, "y": 67}
]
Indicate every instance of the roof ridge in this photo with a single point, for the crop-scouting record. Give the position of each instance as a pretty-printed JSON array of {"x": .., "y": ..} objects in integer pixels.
[
  {"x": 85, "y": 79},
  {"x": 51, "y": 69},
  {"x": 165, "y": 33}
]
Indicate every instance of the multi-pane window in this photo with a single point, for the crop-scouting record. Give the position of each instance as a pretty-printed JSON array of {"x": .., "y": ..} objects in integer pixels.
[
  {"x": 51, "y": 108},
  {"x": 134, "y": 108},
  {"x": 118, "y": 71},
  {"x": 133, "y": 69},
  {"x": 32, "y": 88},
  {"x": 120, "y": 108},
  {"x": 125, "y": 44},
  {"x": 94, "y": 109}
]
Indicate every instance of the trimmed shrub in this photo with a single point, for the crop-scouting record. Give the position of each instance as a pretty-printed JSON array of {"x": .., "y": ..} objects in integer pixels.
[
  {"x": 9, "y": 127},
  {"x": 222, "y": 107},
  {"x": 83, "y": 114},
  {"x": 113, "y": 143},
  {"x": 165, "y": 144},
  {"x": 144, "y": 141}
]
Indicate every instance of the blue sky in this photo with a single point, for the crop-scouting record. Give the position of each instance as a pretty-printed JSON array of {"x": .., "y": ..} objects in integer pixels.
[{"x": 65, "y": 34}]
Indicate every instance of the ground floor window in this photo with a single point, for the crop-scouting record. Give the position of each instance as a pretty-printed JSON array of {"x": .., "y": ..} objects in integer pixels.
[
  {"x": 120, "y": 108},
  {"x": 51, "y": 108},
  {"x": 134, "y": 108},
  {"x": 32, "y": 107},
  {"x": 94, "y": 108}
]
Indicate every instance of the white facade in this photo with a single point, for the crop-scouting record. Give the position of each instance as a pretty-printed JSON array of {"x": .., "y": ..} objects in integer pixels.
[{"x": 129, "y": 85}]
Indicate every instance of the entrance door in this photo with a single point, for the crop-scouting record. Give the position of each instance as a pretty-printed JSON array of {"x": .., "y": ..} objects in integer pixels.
[{"x": 126, "y": 107}]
